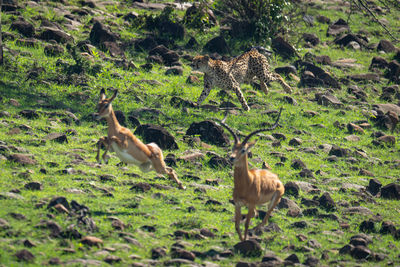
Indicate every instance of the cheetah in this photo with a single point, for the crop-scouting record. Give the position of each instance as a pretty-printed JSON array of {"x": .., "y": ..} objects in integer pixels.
[{"x": 230, "y": 74}]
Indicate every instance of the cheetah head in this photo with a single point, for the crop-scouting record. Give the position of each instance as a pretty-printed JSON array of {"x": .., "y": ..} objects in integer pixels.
[{"x": 200, "y": 63}]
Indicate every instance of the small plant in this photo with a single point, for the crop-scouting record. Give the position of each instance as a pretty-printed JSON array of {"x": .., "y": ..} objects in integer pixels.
[
  {"x": 165, "y": 24},
  {"x": 188, "y": 223},
  {"x": 197, "y": 17},
  {"x": 258, "y": 19}
]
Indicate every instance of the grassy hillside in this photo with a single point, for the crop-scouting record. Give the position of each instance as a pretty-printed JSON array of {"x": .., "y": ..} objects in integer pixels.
[{"x": 143, "y": 219}]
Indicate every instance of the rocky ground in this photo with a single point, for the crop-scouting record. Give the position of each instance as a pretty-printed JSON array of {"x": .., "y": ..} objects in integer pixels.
[{"x": 336, "y": 149}]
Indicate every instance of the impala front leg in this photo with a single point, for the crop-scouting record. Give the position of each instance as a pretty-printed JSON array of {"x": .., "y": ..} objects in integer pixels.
[
  {"x": 122, "y": 143},
  {"x": 250, "y": 214},
  {"x": 102, "y": 141},
  {"x": 238, "y": 217}
]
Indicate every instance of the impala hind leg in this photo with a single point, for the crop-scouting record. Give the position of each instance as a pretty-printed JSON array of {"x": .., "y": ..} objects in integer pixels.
[
  {"x": 272, "y": 204},
  {"x": 157, "y": 162},
  {"x": 146, "y": 167}
]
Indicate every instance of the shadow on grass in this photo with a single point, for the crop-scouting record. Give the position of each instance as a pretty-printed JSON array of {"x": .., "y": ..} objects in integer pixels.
[
  {"x": 31, "y": 96},
  {"x": 103, "y": 213}
]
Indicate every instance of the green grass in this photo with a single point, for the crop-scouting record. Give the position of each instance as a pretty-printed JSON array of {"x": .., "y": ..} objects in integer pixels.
[{"x": 167, "y": 209}]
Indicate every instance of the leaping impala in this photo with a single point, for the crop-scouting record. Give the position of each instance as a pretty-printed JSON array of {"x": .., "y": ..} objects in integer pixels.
[
  {"x": 129, "y": 148},
  {"x": 252, "y": 187}
]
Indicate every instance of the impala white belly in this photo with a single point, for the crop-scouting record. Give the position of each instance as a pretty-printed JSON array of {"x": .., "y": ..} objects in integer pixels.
[{"x": 124, "y": 156}]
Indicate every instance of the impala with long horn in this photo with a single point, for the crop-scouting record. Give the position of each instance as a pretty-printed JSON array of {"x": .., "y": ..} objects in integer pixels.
[
  {"x": 252, "y": 187},
  {"x": 129, "y": 148}
]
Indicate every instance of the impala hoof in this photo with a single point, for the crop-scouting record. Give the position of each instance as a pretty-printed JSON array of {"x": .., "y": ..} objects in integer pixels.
[{"x": 182, "y": 187}]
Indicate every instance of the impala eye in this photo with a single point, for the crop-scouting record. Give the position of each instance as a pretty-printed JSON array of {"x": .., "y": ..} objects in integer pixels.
[{"x": 243, "y": 150}]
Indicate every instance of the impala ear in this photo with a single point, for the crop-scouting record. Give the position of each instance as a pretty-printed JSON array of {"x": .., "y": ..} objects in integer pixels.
[
  {"x": 102, "y": 94},
  {"x": 251, "y": 144},
  {"x": 114, "y": 95}
]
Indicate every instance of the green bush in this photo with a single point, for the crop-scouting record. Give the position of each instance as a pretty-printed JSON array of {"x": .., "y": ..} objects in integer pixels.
[{"x": 257, "y": 19}]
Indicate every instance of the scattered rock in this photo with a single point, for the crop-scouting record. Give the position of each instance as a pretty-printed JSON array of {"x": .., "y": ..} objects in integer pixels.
[
  {"x": 367, "y": 226},
  {"x": 348, "y": 39},
  {"x": 24, "y": 255},
  {"x": 218, "y": 162},
  {"x": 283, "y": 48},
  {"x": 327, "y": 202},
  {"x": 354, "y": 128},
  {"x": 175, "y": 70},
  {"x": 360, "y": 252},
  {"x": 249, "y": 248},
  {"x": 374, "y": 186},
  {"x": 182, "y": 254},
  {"x": 111, "y": 259},
  {"x": 295, "y": 142},
  {"x": 145, "y": 44},
  {"x": 388, "y": 228},
  {"x": 292, "y": 259},
  {"x": 271, "y": 259},
  {"x": 364, "y": 172},
  {"x": 299, "y": 224},
  {"x": 388, "y": 140},
  {"x": 298, "y": 164},
  {"x": 338, "y": 151},
  {"x": 378, "y": 63},
  {"x": 57, "y": 137},
  {"x": 23, "y": 159},
  {"x": 346, "y": 249},
  {"x": 365, "y": 78},
  {"x": 53, "y": 50},
  {"x": 386, "y": 46},
  {"x": 57, "y": 35},
  {"x": 140, "y": 187},
  {"x": 34, "y": 186},
  {"x": 131, "y": 16},
  {"x": 291, "y": 188},
  {"x": 358, "y": 210},
  {"x": 312, "y": 261},
  {"x": 29, "y": 114},
  {"x": 209, "y": 132},
  {"x": 393, "y": 72},
  {"x": 157, "y": 134},
  {"x": 311, "y": 38},
  {"x": 113, "y": 48},
  {"x": 100, "y": 34},
  {"x": 4, "y": 224},
  {"x": 29, "y": 244},
  {"x": 338, "y": 27},
  {"x": 23, "y": 27},
  {"x": 58, "y": 200},
  {"x": 217, "y": 45},
  {"x": 391, "y": 191},
  {"x": 327, "y": 99},
  {"x": 157, "y": 253},
  {"x": 358, "y": 242}
]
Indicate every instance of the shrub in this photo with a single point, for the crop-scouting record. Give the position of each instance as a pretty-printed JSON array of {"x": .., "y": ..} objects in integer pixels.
[{"x": 258, "y": 19}]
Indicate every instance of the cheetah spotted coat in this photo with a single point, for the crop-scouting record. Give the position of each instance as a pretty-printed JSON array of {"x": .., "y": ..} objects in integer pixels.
[{"x": 229, "y": 75}]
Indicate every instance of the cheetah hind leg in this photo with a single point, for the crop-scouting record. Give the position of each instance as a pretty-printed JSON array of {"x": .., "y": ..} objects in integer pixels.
[{"x": 285, "y": 86}]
